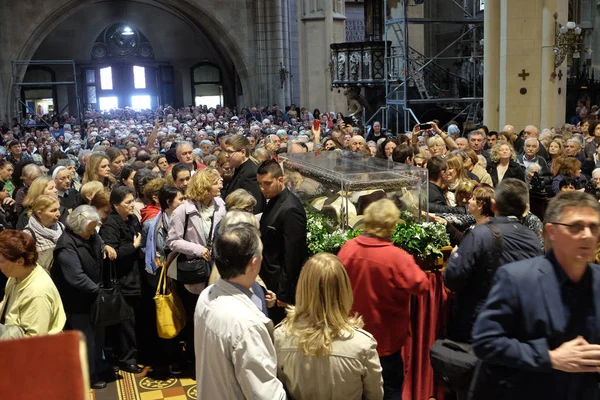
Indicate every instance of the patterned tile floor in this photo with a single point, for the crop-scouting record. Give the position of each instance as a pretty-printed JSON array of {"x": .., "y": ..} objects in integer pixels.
[{"x": 142, "y": 387}]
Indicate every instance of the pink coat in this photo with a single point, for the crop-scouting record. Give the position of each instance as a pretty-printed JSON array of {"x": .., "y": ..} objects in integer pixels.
[{"x": 194, "y": 243}]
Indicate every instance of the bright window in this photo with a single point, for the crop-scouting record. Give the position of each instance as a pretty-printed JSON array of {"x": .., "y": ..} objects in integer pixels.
[
  {"x": 106, "y": 82},
  {"x": 140, "y": 102},
  {"x": 108, "y": 102},
  {"x": 209, "y": 101},
  {"x": 139, "y": 77}
]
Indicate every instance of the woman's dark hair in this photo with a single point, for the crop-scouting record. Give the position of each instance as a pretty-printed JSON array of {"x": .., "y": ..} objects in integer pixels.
[
  {"x": 167, "y": 194},
  {"x": 125, "y": 173},
  {"x": 113, "y": 153},
  {"x": 592, "y": 127},
  {"x": 157, "y": 159},
  {"x": 177, "y": 169},
  {"x": 381, "y": 148},
  {"x": 141, "y": 178},
  {"x": 57, "y": 155},
  {"x": 17, "y": 244},
  {"x": 18, "y": 172},
  {"x": 118, "y": 195},
  {"x": 316, "y": 113}
]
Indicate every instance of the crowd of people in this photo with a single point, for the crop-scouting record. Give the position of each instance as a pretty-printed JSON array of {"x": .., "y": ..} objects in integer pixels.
[{"x": 126, "y": 195}]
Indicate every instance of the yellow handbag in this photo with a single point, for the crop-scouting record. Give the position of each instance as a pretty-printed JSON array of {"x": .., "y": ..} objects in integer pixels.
[{"x": 170, "y": 314}]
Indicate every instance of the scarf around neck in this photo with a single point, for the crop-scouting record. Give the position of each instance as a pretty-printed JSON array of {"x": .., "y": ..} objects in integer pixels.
[{"x": 45, "y": 238}]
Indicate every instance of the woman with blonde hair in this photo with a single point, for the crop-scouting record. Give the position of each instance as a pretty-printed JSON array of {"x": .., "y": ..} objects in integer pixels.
[
  {"x": 322, "y": 352},
  {"x": 191, "y": 233},
  {"x": 384, "y": 277},
  {"x": 45, "y": 228},
  {"x": 44, "y": 185},
  {"x": 504, "y": 164},
  {"x": 98, "y": 169},
  {"x": 456, "y": 173}
]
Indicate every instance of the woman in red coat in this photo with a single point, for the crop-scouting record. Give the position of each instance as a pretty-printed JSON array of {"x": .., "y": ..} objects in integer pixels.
[{"x": 383, "y": 277}]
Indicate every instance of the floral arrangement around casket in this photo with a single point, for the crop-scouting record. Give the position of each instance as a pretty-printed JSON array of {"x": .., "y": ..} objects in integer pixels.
[{"x": 424, "y": 241}]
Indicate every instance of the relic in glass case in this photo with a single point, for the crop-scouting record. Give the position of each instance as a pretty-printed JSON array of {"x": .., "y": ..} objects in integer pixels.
[{"x": 342, "y": 184}]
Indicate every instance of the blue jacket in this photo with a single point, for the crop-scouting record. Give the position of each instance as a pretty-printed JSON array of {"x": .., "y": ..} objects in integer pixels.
[
  {"x": 469, "y": 273},
  {"x": 522, "y": 319}
]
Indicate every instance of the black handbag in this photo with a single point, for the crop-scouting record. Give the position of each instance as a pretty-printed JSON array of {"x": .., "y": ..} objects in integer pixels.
[
  {"x": 453, "y": 363},
  {"x": 195, "y": 270},
  {"x": 110, "y": 307}
]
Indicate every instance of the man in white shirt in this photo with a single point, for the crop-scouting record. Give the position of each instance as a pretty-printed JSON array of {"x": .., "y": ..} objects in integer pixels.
[{"x": 235, "y": 356}]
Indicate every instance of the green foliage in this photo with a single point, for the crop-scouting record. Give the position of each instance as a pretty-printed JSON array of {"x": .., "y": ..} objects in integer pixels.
[
  {"x": 322, "y": 235},
  {"x": 419, "y": 239}
]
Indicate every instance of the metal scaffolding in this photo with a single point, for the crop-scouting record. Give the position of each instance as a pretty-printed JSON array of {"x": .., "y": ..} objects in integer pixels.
[
  {"x": 414, "y": 79},
  {"x": 18, "y": 73}
]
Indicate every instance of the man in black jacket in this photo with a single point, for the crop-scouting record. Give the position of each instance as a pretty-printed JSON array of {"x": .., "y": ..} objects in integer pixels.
[
  {"x": 470, "y": 271},
  {"x": 237, "y": 149},
  {"x": 283, "y": 233},
  {"x": 437, "y": 200}
]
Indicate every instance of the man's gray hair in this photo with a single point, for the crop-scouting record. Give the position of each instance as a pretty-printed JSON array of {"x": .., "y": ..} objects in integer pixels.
[
  {"x": 181, "y": 144},
  {"x": 532, "y": 139},
  {"x": 576, "y": 141},
  {"x": 574, "y": 199},
  {"x": 81, "y": 217},
  {"x": 477, "y": 132}
]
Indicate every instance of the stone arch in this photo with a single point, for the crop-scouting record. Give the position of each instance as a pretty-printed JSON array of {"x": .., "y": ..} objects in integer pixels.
[{"x": 201, "y": 14}]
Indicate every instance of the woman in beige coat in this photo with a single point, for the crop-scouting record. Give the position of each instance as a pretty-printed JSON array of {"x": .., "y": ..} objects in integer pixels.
[{"x": 321, "y": 351}]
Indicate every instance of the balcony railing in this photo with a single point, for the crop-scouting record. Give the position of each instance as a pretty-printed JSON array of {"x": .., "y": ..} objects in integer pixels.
[{"x": 358, "y": 63}]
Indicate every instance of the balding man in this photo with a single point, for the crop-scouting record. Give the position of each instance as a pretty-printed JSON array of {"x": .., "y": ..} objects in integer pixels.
[
  {"x": 515, "y": 140},
  {"x": 357, "y": 143},
  {"x": 532, "y": 131}
]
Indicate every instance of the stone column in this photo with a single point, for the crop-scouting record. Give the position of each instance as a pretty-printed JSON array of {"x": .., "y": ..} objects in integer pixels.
[
  {"x": 554, "y": 81},
  {"x": 320, "y": 23},
  {"x": 525, "y": 91},
  {"x": 491, "y": 63}
]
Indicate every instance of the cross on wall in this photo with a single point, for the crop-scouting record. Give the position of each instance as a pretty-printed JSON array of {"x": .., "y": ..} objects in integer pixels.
[{"x": 524, "y": 75}]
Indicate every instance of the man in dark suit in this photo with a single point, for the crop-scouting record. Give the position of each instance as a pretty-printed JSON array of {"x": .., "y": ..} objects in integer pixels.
[
  {"x": 237, "y": 149},
  {"x": 539, "y": 330},
  {"x": 283, "y": 233}
]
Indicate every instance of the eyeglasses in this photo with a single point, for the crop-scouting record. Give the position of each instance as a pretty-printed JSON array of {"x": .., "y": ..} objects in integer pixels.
[
  {"x": 229, "y": 153},
  {"x": 577, "y": 228}
]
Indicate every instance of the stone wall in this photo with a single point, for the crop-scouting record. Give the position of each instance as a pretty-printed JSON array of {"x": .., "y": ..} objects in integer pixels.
[{"x": 220, "y": 30}]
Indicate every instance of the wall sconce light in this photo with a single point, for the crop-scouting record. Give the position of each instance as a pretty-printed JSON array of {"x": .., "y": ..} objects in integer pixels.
[
  {"x": 283, "y": 74},
  {"x": 567, "y": 41}
]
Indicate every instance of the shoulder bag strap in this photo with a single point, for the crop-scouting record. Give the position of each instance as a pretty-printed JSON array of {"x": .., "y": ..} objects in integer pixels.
[
  {"x": 32, "y": 233},
  {"x": 210, "y": 231},
  {"x": 498, "y": 244},
  {"x": 185, "y": 225}
]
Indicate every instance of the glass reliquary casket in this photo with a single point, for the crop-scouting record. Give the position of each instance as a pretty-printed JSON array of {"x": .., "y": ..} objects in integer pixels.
[{"x": 342, "y": 184}]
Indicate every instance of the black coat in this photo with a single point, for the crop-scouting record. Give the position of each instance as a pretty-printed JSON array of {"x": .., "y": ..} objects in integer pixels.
[
  {"x": 438, "y": 203},
  {"x": 515, "y": 170},
  {"x": 119, "y": 235},
  {"x": 77, "y": 270},
  {"x": 245, "y": 178},
  {"x": 70, "y": 200},
  {"x": 283, "y": 234},
  {"x": 468, "y": 272}
]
